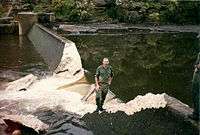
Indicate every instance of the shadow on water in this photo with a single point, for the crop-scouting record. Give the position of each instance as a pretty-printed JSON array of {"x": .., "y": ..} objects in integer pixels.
[{"x": 143, "y": 63}]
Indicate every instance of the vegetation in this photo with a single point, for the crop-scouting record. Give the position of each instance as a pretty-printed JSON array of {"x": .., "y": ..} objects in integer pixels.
[
  {"x": 73, "y": 10},
  {"x": 1, "y": 10},
  {"x": 130, "y": 11},
  {"x": 65, "y": 10},
  {"x": 155, "y": 11}
]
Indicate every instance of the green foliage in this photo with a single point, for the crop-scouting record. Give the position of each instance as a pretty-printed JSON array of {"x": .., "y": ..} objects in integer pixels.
[
  {"x": 72, "y": 10},
  {"x": 43, "y": 6},
  {"x": 184, "y": 12},
  {"x": 154, "y": 11},
  {"x": 1, "y": 10},
  {"x": 131, "y": 11}
]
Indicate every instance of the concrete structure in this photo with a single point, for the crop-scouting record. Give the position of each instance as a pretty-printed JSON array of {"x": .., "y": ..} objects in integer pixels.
[
  {"x": 60, "y": 54},
  {"x": 26, "y": 21}
]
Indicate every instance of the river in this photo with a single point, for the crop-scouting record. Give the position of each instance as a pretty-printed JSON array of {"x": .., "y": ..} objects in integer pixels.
[{"x": 142, "y": 63}]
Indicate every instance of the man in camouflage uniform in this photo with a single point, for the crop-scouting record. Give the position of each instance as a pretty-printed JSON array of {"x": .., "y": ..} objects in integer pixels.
[
  {"x": 103, "y": 79},
  {"x": 196, "y": 89}
]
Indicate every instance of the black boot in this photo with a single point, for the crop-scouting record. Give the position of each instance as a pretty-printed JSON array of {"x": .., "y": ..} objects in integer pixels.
[
  {"x": 97, "y": 110},
  {"x": 101, "y": 109}
]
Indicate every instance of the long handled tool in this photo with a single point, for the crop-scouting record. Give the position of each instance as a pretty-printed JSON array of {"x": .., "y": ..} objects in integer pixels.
[{"x": 92, "y": 90}]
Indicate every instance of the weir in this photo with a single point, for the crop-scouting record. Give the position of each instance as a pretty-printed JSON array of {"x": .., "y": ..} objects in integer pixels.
[{"x": 66, "y": 86}]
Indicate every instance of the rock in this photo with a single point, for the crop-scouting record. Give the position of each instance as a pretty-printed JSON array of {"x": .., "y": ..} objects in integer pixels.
[
  {"x": 99, "y": 3},
  {"x": 24, "y": 122},
  {"x": 22, "y": 83},
  {"x": 17, "y": 132},
  {"x": 177, "y": 106},
  {"x": 10, "y": 75}
]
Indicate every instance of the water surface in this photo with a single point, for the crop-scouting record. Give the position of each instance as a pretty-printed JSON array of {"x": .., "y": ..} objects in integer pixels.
[
  {"x": 18, "y": 57},
  {"x": 143, "y": 63}
]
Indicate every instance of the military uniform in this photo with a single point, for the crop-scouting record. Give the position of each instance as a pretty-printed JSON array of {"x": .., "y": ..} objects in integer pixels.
[
  {"x": 103, "y": 74},
  {"x": 196, "y": 89}
]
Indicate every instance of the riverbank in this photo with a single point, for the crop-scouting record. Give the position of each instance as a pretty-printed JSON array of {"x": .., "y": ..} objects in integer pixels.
[{"x": 99, "y": 27}]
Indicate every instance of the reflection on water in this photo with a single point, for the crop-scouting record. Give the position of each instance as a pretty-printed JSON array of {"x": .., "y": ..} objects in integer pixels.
[
  {"x": 143, "y": 63},
  {"x": 18, "y": 57}
]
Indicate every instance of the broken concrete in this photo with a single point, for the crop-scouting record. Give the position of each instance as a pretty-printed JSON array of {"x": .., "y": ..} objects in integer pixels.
[{"x": 21, "y": 83}]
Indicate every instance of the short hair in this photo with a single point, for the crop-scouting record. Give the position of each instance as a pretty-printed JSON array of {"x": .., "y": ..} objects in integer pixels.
[{"x": 105, "y": 59}]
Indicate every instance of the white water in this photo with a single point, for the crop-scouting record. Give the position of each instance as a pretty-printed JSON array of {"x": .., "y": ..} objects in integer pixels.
[{"x": 44, "y": 94}]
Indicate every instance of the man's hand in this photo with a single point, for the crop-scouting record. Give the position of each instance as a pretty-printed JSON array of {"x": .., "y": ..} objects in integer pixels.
[
  {"x": 197, "y": 67},
  {"x": 195, "y": 70},
  {"x": 97, "y": 87},
  {"x": 109, "y": 83}
]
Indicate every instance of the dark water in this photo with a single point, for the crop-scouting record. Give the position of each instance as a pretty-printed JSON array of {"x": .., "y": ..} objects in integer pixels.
[
  {"x": 18, "y": 57},
  {"x": 143, "y": 63}
]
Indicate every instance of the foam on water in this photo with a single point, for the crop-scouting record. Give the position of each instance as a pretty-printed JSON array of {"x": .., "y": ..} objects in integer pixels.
[
  {"x": 138, "y": 104},
  {"x": 44, "y": 93}
]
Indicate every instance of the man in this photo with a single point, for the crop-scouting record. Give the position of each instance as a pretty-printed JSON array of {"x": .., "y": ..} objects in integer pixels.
[
  {"x": 103, "y": 79},
  {"x": 196, "y": 89}
]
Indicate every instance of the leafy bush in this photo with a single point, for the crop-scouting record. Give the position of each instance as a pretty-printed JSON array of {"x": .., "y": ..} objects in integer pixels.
[
  {"x": 131, "y": 11},
  {"x": 185, "y": 12},
  {"x": 1, "y": 10},
  {"x": 73, "y": 10},
  {"x": 172, "y": 11}
]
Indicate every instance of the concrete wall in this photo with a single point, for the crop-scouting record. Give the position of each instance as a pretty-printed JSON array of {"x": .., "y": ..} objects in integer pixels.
[
  {"x": 26, "y": 21},
  {"x": 59, "y": 53}
]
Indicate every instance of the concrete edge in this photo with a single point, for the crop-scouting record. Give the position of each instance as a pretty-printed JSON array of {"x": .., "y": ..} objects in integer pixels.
[{"x": 54, "y": 34}]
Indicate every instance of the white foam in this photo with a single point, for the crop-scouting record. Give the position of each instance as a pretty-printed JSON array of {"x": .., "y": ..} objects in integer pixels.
[
  {"x": 139, "y": 103},
  {"x": 44, "y": 93}
]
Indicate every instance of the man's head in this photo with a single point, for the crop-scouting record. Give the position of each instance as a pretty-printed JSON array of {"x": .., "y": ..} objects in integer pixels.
[{"x": 105, "y": 62}]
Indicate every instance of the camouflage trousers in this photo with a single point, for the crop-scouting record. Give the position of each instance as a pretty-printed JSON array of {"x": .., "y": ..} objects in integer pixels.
[{"x": 101, "y": 95}]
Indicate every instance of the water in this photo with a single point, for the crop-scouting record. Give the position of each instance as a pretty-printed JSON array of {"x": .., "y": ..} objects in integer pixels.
[
  {"x": 143, "y": 63},
  {"x": 140, "y": 66},
  {"x": 18, "y": 57}
]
